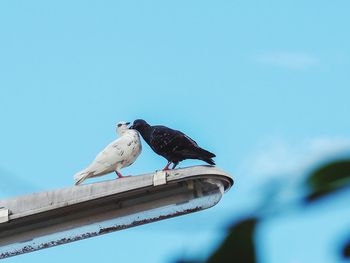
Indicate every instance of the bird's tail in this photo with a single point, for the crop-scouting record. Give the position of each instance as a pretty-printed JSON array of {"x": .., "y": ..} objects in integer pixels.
[
  {"x": 81, "y": 176},
  {"x": 206, "y": 156},
  {"x": 209, "y": 161},
  {"x": 93, "y": 170}
]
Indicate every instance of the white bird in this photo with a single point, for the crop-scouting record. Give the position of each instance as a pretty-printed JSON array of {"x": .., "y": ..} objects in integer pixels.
[{"x": 118, "y": 154}]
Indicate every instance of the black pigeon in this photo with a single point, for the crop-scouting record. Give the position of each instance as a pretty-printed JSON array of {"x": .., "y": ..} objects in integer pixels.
[{"x": 173, "y": 145}]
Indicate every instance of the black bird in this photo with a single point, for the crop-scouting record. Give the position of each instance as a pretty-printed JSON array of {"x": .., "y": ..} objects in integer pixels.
[{"x": 173, "y": 145}]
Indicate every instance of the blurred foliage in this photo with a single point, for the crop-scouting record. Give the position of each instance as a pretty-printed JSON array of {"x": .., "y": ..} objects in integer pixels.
[
  {"x": 187, "y": 261},
  {"x": 346, "y": 250},
  {"x": 238, "y": 246},
  {"x": 328, "y": 179}
]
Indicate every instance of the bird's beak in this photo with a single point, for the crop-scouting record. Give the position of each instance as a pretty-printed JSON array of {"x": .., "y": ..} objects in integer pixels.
[{"x": 127, "y": 123}]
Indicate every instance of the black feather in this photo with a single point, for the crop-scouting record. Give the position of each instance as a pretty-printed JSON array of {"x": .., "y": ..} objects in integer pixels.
[{"x": 173, "y": 145}]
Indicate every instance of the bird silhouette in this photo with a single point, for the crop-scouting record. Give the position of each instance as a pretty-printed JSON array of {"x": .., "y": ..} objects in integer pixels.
[
  {"x": 118, "y": 154},
  {"x": 173, "y": 145}
]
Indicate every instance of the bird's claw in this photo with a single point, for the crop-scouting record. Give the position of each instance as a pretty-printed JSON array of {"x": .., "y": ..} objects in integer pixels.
[{"x": 123, "y": 176}]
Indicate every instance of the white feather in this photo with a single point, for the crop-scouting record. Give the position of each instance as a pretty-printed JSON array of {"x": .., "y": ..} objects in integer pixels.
[{"x": 118, "y": 154}]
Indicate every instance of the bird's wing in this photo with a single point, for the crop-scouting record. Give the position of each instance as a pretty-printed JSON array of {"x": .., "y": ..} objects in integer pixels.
[
  {"x": 113, "y": 152},
  {"x": 109, "y": 158},
  {"x": 164, "y": 139}
]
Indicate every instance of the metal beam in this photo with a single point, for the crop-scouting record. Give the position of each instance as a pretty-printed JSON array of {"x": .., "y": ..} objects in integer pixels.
[{"x": 45, "y": 219}]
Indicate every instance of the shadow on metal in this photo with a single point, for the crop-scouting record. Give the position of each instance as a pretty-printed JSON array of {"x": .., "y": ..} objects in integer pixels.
[{"x": 46, "y": 219}]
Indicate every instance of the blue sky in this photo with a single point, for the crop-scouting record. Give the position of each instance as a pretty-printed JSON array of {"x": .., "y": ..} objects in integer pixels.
[{"x": 264, "y": 85}]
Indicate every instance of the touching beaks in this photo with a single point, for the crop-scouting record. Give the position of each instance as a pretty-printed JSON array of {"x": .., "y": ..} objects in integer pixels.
[{"x": 127, "y": 123}]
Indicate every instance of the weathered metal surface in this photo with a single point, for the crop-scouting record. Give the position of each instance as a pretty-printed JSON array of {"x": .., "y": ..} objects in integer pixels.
[
  {"x": 106, "y": 230},
  {"x": 159, "y": 178},
  {"x": 47, "y": 219},
  {"x": 4, "y": 215}
]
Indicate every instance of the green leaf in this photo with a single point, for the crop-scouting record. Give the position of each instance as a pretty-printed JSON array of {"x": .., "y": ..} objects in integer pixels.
[
  {"x": 328, "y": 179},
  {"x": 239, "y": 245}
]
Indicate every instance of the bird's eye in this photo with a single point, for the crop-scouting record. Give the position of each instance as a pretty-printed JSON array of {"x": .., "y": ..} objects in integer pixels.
[{"x": 119, "y": 125}]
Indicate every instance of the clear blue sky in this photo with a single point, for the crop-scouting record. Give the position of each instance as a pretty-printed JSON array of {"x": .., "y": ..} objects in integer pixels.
[{"x": 251, "y": 81}]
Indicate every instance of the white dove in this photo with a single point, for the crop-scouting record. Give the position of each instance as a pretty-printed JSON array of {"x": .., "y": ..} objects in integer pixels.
[{"x": 118, "y": 154}]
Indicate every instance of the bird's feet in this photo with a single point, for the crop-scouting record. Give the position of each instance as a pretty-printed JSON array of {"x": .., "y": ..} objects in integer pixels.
[
  {"x": 166, "y": 168},
  {"x": 174, "y": 165},
  {"x": 120, "y": 176}
]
